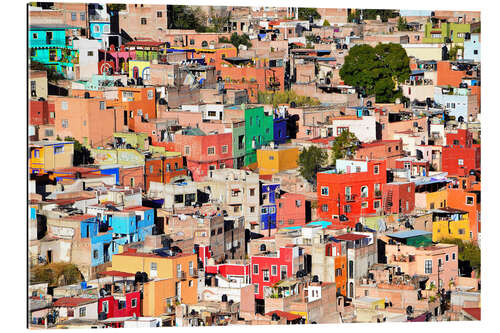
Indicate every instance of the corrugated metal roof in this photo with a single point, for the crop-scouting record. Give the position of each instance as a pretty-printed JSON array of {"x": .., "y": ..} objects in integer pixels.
[{"x": 409, "y": 234}]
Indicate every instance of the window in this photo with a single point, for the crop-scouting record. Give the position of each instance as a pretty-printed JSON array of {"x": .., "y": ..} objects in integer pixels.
[
  {"x": 82, "y": 16},
  {"x": 431, "y": 206},
  {"x": 159, "y": 14},
  {"x": 96, "y": 254},
  {"x": 475, "y": 52},
  {"x": 428, "y": 266},
  {"x": 143, "y": 21},
  {"x": 153, "y": 266},
  {"x": 290, "y": 221},
  {"x": 191, "y": 42},
  {"x": 265, "y": 275},
  {"x": 64, "y": 123},
  {"x": 274, "y": 270},
  {"x": 446, "y": 258},
  {"x": 255, "y": 269},
  {"x": 461, "y": 231},
  {"x": 252, "y": 192},
  {"x": 324, "y": 190},
  {"x": 469, "y": 200},
  {"x": 256, "y": 288},
  {"x": 224, "y": 149},
  {"x": 364, "y": 191},
  {"x": 96, "y": 29},
  {"x": 283, "y": 270},
  {"x": 64, "y": 105},
  {"x": 376, "y": 204},
  {"x": 364, "y": 204},
  {"x": 150, "y": 94},
  {"x": 271, "y": 157},
  {"x": 105, "y": 306},
  {"x": 151, "y": 168},
  {"x": 211, "y": 151},
  {"x": 281, "y": 222},
  {"x": 324, "y": 208},
  {"x": 90, "y": 53},
  {"x": 73, "y": 16},
  {"x": 102, "y": 105},
  {"x": 83, "y": 312},
  {"x": 460, "y": 161},
  {"x": 376, "y": 169},
  {"x": 35, "y": 36},
  {"x": 453, "y": 256},
  {"x": 49, "y": 132},
  {"x": 134, "y": 302},
  {"x": 342, "y": 129},
  {"x": 298, "y": 203},
  {"x": 187, "y": 150},
  {"x": 264, "y": 210},
  {"x": 347, "y": 208}
]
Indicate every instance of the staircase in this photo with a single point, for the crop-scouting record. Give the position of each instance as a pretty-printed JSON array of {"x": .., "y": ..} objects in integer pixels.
[{"x": 388, "y": 202}]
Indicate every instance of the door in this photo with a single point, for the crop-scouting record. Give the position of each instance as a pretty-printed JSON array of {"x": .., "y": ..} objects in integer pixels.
[
  {"x": 49, "y": 256},
  {"x": 49, "y": 37}
]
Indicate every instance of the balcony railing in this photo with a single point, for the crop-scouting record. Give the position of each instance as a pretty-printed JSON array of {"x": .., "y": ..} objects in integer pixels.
[
  {"x": 47, "y": 43},
  {"x": 193, "y": 273},
  {"x": 181, "y": 275}
]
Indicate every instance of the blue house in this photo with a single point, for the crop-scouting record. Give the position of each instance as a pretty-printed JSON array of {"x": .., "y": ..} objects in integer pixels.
[
  {"x": 50, "y": 45},
  {"x": 101, "y": 240},
  {"x": 133, "y": 224},
  {"x": 280, "y": 123},
  {"x": 98, "y": 28},
  {"x": 268, "y": 206}
]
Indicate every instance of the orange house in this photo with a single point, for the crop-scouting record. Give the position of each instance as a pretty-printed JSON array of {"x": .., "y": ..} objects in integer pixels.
[
  {"x": 164, "y": 170},
  {"x": 91, "y": 121},
  {"x": 469, "y": 201},
  {"x": 213, "y": 57},
  {"x": 447, "y": 76},
  {"x": 341, "y": 274},
  {"x": 134, "y": 101}
]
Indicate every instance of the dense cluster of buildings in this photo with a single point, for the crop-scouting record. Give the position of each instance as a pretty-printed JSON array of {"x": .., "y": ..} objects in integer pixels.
[{"x": 160, "y": 173}]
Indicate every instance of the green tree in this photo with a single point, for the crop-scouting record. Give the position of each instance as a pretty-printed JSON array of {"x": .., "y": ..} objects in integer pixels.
[
  {"x": 345, "y": 144},
  {"x": 467, "y": 251},
  {"x": 238, "y": 40},
  {"x": 305, "y": 13},
  {"x": 326, "y": 23},
  {"x": 52, "y": 74},
  {"x": 188, "y": 18},
  {"x": 402, "y": 24},
  {"x": 219, "y": 20},
  {"x": 116, "y": 7},
  {"x": 454, "y": 52},
  {"x": 310, "y": 160},
  {"x": 81, "y": 155},
  {"x": 377, "y": 70}
]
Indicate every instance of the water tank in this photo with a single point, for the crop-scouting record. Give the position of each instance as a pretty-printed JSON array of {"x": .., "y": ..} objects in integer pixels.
[
  {"x": 275, "y": 317},
  {"x": 162, "y": 101},
  {"x": 87, "y": 94},
  {"x": 224, "y": 298},
  {"x": 315, "y": 278}
]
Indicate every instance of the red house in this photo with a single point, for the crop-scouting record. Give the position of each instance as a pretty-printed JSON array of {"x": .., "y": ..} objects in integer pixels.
[
  {"x": 273, "y": 267},
  {"x": 353, "y": 189},
  {"x": 459, "y": 137},
  {"x": 121, "y": 306},
  {"x": 204, "y": 152},
  {"x": 399, "y": 198},
  {"x": 236, "y": 271},
  {"x": 40, "y": 113},
  {"x": 459, "y": 160}
]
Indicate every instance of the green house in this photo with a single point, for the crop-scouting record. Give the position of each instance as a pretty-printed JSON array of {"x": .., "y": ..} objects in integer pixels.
[
  {"x": 258, "y": 132},
  {"x": 439, "y": 32},
  {"x": 415, "y": 238}
]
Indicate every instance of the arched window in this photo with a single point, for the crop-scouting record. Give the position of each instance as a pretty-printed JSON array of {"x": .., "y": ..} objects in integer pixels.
[
  {"x": 364, "y": 191},
  {"x": 146, "y": 73},
  {"x": 204, "y": 44},
  {"x": 351, "y": 289}
]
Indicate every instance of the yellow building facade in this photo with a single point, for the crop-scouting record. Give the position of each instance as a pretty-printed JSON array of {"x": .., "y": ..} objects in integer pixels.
[
  {"x": 271, "y": 161},
  {"x": 50, "y": 155},
  {"x": 451, "y": 229}
]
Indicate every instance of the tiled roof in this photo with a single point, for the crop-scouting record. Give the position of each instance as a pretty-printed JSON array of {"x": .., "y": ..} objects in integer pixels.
[
  {"x": 474, "y": 312},
  {"x": 73, "y": 301},
  {"x": 350, "y": 237}
]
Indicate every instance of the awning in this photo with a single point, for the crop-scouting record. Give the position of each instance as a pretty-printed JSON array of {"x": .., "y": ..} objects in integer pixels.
[
  {"x": 286, "y": 284},
  {"x": 117, "y": 273}
]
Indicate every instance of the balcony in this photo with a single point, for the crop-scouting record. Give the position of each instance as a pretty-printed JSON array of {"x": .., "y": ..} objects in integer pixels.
[
  {"x": 350, "y": 197},
  {"x": 181, "y": 275},
  {"x": 424, "y": 82},
  {"x": 193, "y": 273}
]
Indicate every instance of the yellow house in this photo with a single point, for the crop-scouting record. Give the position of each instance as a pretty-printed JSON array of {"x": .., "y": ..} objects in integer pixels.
[
  {"x": 450, "y": 223},
  {"x": 182, "y": 269},
  {"x": 271, "y": 160},
  {"x": 50, "y": 155},
  {"x": 139, "y": 68}
]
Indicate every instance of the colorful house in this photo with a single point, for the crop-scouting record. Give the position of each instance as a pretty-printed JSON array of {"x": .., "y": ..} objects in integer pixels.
[
  {"x": 269, "y": 192},
  {"x": 272, "y": 159},
  {"x": 50, "y": 155},
  {"x": 49, "y": 45},
  {"x": 439, "y": 32},
  {"x": 259, "y": 131},
  {"x": 450, "y": 223},
  {"x": 268, "y": 269},
  {"x": 353, "y": 189},
  {"x": 164, "y": 170}
]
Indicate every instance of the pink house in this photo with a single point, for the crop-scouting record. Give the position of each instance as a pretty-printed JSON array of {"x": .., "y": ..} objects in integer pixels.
[
  {"x": 292, "y": 210},
  {"x": 439, "y": 262}
]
